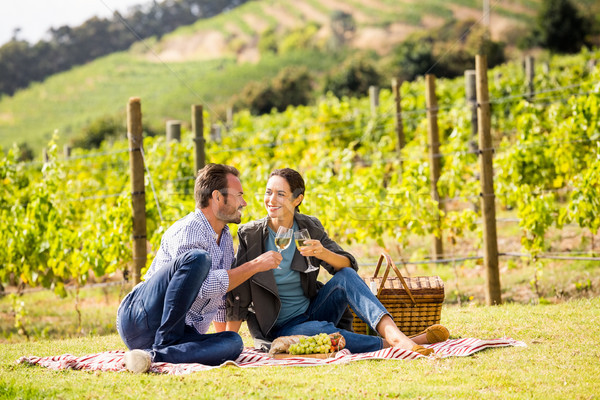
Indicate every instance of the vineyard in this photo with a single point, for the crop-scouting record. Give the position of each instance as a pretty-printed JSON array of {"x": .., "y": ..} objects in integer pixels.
[{"x": 69, "y": 219}]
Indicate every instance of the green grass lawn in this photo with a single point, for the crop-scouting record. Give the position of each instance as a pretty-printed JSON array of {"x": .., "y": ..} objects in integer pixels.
[
  {"x": 561, "y": 361},
  {"x": 560, "y": 329}
]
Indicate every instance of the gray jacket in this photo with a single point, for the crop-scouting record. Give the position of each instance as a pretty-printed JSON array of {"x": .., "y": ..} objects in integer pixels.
[{"x": 257, "y": 300}]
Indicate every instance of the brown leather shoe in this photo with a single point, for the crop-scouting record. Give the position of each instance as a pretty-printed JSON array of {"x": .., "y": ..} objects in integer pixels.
[
  {"x": 436, "y": 333},
  {"x": 422, "y": 350}
]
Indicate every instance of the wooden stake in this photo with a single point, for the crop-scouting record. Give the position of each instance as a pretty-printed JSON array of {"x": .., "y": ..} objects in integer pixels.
[
  {"x": 399, "y": 125},
  {"x": 67, "y": 151},
  {"x": 198, "y": 129},
  {"x": 374, "y": 97},
  {"x": 138, "y": 194},
  {"x": 488, "y": 203},
  {"x": 529, "y": 75},
  {"x": 471, "y": 96},
  {"x": 229, "y": 118},
  {"x": 173, "y": 131},
  {"x": 434, "y": 156}
]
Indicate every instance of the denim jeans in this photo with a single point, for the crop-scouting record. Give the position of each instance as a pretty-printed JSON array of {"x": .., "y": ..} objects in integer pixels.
[
  {"x": 344, "y": 289},
  {"x": 152, "y": 316}
]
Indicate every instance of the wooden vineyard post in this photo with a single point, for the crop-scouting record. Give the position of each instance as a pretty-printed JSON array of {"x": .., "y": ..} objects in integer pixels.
[
  {"x": 488, "y": 203},
  {"x": 471, "y": 96},
  {"x": 67, "y": 151},
  {"x": 434, "y": 156},
  {"x": 374, "y": 99},
  {"x": 198, "y": 129},
  {"x": 173, "y": 131},
  {"x": 138, "y": 194},
  {"x": 399, "y": 126},
  {"x": 229, "y": 118},
  {"x": 529, "y": 76}
]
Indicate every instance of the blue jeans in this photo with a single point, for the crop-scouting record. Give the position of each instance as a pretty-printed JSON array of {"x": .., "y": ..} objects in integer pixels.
[
  {"x": 344, "y": 289},
  {"x": 152, "y": 316}
]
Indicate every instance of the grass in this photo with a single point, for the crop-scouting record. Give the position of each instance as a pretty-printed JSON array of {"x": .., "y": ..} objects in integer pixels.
[{"x": 561, "y": 360}]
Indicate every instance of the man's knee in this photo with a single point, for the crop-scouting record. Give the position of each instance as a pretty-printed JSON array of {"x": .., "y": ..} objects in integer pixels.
[
  {"x": 196, "y": 256},
  {"x": 197, "y": 259},
  {"x": 235, "y": 343}
]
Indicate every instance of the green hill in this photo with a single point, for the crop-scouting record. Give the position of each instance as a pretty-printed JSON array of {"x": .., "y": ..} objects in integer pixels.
[{"x": 212, "y": 60}]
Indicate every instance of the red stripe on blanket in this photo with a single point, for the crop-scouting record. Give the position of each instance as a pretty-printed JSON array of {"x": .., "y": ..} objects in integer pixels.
[{"x": 113, "y": 360}]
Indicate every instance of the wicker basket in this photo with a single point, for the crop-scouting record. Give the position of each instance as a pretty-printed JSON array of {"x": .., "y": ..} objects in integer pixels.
[{"x": 414, "y": 303}]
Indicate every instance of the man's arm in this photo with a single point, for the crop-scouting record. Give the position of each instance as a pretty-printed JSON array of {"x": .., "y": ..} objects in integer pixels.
[
  {"x": 264, "y": 262},
  {"x": 219, "y": 326},
  {"x": 233, "y": 326}
]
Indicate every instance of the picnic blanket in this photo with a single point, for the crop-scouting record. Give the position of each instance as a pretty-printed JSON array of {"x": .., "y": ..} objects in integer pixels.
[{"x": 113, "y": 360}]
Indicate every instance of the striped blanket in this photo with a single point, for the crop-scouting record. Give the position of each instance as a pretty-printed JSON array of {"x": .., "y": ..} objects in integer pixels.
[{"x": 113, "y": 360}]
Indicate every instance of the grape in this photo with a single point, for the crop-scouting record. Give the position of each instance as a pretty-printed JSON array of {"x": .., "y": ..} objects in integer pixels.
[{"x": 320, "y": 343}]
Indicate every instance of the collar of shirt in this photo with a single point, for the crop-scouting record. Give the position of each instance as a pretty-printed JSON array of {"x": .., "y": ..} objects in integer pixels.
[{"x": 202, "y": 218}]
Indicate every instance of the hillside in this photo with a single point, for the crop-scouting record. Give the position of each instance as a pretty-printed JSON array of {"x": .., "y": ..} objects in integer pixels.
[
  {"x": 380, "y": 24},
  {"x": 213, "y": 59}
]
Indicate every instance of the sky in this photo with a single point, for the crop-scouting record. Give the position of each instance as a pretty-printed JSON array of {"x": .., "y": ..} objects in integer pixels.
[{"x": 36, "y": 17}]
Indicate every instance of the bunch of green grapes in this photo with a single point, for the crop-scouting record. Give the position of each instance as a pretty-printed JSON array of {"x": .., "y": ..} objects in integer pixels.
[{"x": 320, "y": 343}]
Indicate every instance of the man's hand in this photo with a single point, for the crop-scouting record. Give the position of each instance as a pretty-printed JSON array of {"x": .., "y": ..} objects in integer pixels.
[
  {"x": 269, "y": 260},
  {"x": 264, "y": 262}
]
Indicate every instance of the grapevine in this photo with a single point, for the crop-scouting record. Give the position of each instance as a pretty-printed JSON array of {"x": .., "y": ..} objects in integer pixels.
[{"x": 66, "y": 221}]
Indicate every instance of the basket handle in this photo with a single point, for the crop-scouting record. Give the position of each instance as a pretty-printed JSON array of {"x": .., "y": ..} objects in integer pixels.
[{"x": 390, "y": 264}]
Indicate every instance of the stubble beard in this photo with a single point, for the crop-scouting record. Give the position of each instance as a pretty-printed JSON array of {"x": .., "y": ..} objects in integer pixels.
[{"x": 233, "y": 218}]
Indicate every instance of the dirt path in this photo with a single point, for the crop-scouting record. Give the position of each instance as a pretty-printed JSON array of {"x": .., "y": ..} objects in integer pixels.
[
  {"x": 311, "y": 13},
  {"x": 285, "y": 19},
  {"x": 368, "y": 36},
  {"x": 199, "y": 46}
]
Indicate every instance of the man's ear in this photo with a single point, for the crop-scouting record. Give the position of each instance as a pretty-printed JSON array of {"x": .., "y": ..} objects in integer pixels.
[{"x": 216, "y": 195}]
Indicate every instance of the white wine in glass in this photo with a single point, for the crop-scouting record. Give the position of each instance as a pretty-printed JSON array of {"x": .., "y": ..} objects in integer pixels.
[
  {"x": 282, "y": 243},
  {"x": 283, "y": 238},
  {"x": 301, "y": 237}
]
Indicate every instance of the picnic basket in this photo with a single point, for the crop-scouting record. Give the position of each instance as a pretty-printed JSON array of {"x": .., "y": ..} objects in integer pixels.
[{"x": 414, "y": 302}]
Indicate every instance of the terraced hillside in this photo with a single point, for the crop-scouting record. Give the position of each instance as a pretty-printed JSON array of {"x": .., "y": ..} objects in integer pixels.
[
  {"x": 212, "y": 60},
  {"x": 380, "y": 24}
]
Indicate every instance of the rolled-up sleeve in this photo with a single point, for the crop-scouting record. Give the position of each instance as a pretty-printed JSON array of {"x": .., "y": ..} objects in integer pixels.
[{"x": 215, "y": 285}]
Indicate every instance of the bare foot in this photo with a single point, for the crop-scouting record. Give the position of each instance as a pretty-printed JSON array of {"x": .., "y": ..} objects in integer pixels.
[{"x": 392, "y": 336}]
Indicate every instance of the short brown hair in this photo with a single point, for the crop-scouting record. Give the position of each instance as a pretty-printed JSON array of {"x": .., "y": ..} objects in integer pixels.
[
  {"x": 210, "y": 178},
  {"x": 294, "y": 179}
]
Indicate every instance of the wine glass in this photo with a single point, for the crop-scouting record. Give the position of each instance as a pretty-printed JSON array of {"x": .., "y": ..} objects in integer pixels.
[
  {"x": 283, "y": 238},
  {"x": 301, "y": 236}
]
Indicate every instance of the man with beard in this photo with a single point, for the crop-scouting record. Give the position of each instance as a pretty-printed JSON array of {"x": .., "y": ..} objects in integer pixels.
[{"x": 166, "y": 316}]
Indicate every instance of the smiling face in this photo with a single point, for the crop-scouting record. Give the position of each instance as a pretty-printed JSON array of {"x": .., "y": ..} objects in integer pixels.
[
  {"x": 279, "y": 201},
  {"x": 231, "y": 203}
]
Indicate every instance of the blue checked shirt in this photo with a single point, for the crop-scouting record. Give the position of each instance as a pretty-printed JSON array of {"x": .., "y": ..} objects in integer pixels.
[{"x": 195, "y": 232}]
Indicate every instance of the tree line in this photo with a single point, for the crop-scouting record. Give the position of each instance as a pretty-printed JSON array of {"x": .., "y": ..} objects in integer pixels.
[{"x": 22, "y": 63}]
